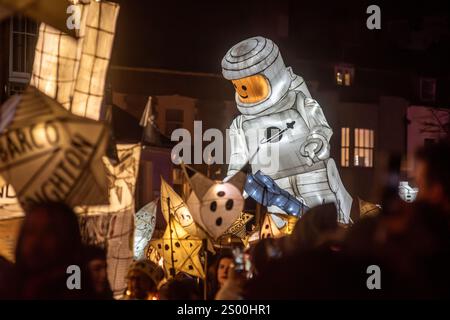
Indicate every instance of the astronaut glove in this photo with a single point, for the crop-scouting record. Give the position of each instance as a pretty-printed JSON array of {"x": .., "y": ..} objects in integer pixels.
[{"x": 315, "y": 149}]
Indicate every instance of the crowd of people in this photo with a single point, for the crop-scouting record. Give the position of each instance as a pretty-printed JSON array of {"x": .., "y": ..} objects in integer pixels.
[{"x": 409, "y": 243}]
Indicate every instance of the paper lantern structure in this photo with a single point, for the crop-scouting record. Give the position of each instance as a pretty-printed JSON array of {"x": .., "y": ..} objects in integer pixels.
[
  {"x": 9, "y": 230},
  {"x": 49, "y": 154},
  {"x": 215, "y": 206},
  {"x": 180, "y": 252},
  {"x": 269, "y": 229},
  {"x": 171, "y": 203},
  {"x": 9, "y": 206},
  {"x": 290, "y": 222},
  {"x": 112, "y": 225},
  {"x": 73, "y": 71},
  {"x": 144, "y": 225},
  {"x": 238, "y": 228},
  {"x": 368, "y": 209}
]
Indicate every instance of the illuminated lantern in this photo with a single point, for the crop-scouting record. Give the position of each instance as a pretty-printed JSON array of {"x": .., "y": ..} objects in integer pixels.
[
  {"x": 290, "y": 222},
  {"x": 368, "y": 209},
  {"x": 144, "y": 225},
  {"x": 269, "y": 228},
  {"x": 179, "y": 251},
  {"x": 9, "y": 230},
  {"x": 238, "y": 228},
  {"x": 406, "y": 192},
  {"x": 171, "y": 203},
  {"x": 279, "y": 119},
  {"x": 215, "y": 206},
  {"x": 94, "y": 61},
  {"x": 72, "y": 71},
  {"x": 49, "y": 154},
  {"x": 9, "y": 206},
  {"x": 277, "y": 225},
  {"x": 116, "y": 220}
]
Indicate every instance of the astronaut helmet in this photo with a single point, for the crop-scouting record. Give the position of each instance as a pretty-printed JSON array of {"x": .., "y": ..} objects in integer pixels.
[{"x": 257, "y": 71}]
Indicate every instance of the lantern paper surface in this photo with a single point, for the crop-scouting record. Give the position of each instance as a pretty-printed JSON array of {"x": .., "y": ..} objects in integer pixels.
[
  {"x": 95, "y": 56},
  {"x": 269, "y": 229},
  {"x": 56, "y": 63},
  {"x": 9, "y": 206},
  {"x": 73, "y": 71},
  {"x": 49, "y": 154},
  {"x": 144, "y": 225},
  {"x": 9, "y": 230},
  {"x": 290, "y": 222},
  {"x": 153, "y": 254},
  {"x": 215, "y": 206},
  {"x": 185, "y": 250},
  {"x": 238, "y": 228},
  {"x": 179, "y": 210},
  {"x": 368, "y": 209},
  {"x": 115, "y": 222}
]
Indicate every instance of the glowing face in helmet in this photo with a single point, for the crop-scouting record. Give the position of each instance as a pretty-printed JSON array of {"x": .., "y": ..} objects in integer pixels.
[{"x": 252, "y": 89}]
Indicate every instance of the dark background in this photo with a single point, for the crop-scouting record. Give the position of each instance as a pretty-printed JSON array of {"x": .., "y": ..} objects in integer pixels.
[{"x": 194, "y": 35}]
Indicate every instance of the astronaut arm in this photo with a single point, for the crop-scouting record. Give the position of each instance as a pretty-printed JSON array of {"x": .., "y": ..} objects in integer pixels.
[
  {"x": 238, "y": 148},
  {"x": 317, "y": 145}
]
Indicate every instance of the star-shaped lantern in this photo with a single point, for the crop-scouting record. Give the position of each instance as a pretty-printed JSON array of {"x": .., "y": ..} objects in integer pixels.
[{"x": 179, "y": 251}]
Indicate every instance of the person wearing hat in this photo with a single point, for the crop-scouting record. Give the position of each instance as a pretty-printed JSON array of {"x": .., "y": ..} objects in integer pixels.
[
  {"x": 281, "y": 130},
  {"x": 143, "y": 279}
]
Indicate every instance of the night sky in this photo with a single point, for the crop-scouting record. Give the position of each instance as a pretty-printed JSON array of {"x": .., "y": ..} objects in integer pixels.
[{"x": 194, "y": 35}]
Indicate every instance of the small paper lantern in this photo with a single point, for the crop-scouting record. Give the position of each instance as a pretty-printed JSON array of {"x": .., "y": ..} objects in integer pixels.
[
  {"x": 179, "y": 210},
  {"x": 269, "y": 229},
  {"x": 180, "y": 252},
  {"x": 144, "y": 225},
  {"x": 238, "y": 228},
  {"x": 117, "y": 219}
]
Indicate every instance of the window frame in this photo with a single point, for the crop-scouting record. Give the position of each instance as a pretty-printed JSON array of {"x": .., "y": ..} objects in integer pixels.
[
  {"x": 18, "y": 76},
  {"x": 351, "y": 146}
]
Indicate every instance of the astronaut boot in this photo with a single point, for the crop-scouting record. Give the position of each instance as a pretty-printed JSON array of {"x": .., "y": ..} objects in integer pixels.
[{"x": 324, "y": 186}]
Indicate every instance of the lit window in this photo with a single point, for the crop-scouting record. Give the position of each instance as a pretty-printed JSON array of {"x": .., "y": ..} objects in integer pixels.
[
  {"x": 339, "y": 78},
  {"x": 344, "y": 74},
  {"x": 364, "y": 144},
  {"x": 345, "y": 147},
  {"x": 347, "y": 78}
]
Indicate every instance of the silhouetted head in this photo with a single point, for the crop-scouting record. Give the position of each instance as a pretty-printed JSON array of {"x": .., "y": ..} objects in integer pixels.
[{"x": 49, "y": 237}]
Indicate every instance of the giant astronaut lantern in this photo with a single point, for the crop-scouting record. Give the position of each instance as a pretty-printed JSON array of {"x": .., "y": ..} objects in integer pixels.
[{"x": 295, "y": 134}]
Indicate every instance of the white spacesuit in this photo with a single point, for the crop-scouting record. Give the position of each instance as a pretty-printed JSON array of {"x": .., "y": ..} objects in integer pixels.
[{"x": 295, "y": 134}]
